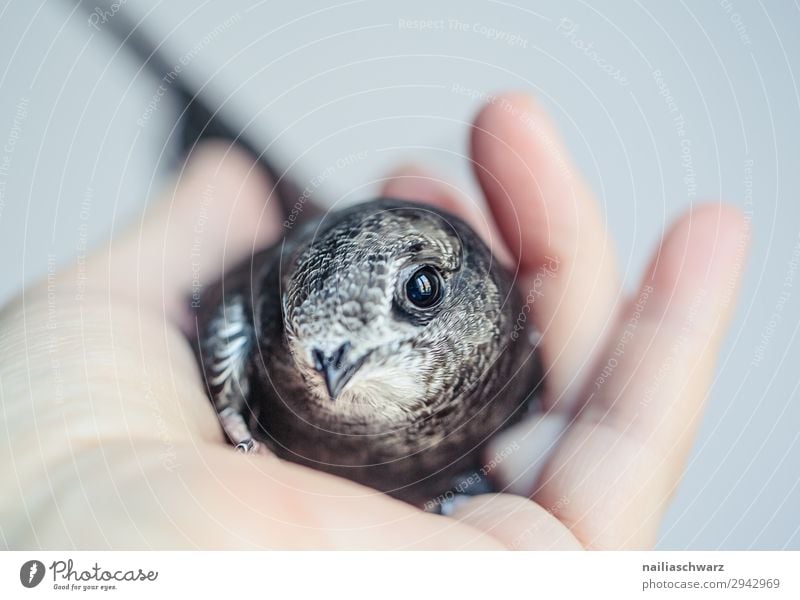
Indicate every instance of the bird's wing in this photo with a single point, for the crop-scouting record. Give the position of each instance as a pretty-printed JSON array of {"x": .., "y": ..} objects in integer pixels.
[{"x": 224, "y": 353}]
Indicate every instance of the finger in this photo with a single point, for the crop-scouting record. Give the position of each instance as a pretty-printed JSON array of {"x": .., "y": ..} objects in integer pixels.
[
  {"x": 516, "y": 522},
  {"x": 218, "y": 210},
  {"x": 532, "y": 440},
  {"x": 620, "y": 461},
  {"x": 554, "y": 229},
  {"x": 413, "y": 183},
  {"x": 418, "y": 185}
]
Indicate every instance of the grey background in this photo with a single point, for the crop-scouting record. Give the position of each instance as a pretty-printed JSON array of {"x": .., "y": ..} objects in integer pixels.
[{"x": 316, "y": 82}]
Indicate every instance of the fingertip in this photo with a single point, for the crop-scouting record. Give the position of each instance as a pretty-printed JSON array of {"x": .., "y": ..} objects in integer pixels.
[
  {"x": 232, "y": 194},
  {"x": 416, "y": 184},
  {"x": 702, "y": 246},
  {"x": 516, "y": 522},
  {"x": 413, "y": 183},
  {"x": 694, "y": 277},
  {"x": 219, "y": 209},
  {"x": 712, "y": 215},
  {"x": 515, "y": 120},
  {"x": 539, "y": 203},
  {"x": 220, "y": 155},
  {"x": 500, "y": 106}
]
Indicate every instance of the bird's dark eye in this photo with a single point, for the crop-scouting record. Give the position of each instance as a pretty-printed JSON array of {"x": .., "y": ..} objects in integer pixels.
[{"x": 424, "y": 287}]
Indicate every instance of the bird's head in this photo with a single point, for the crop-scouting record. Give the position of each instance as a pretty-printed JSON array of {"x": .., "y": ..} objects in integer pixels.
[{"x": 392, "y": 308}]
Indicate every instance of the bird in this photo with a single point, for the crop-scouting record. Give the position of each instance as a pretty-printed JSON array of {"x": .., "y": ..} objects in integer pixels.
[{"x": 379, "y": 342}]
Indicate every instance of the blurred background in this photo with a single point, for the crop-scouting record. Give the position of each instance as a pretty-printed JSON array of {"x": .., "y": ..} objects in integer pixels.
[{"x": 661, "y": 105}]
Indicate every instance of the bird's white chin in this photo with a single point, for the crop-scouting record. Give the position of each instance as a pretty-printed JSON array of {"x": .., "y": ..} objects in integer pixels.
[{"x": 389, "y": 392}]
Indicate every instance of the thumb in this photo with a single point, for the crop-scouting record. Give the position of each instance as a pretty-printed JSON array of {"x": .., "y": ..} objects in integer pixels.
[{"x": 219, "y": 208}]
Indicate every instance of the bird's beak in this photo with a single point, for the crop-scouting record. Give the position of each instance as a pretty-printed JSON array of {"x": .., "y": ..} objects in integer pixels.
[
  {"x": 336, "y": 379},
  {"x": 336, "y": 368}
]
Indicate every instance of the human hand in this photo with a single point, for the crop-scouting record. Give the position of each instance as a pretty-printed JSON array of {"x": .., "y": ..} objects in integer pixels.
[
  {"x": 627, "y": 373},
  {"x": 112, "y": 442}
]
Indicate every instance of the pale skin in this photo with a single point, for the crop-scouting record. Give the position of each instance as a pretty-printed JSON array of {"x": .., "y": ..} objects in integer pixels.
[{"x": 109, "y": 440}]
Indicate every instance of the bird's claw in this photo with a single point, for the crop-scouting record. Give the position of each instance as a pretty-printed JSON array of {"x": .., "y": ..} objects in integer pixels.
[
  {"x": 246, "y": 446},
  {"x": 238, "y": 433}
]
